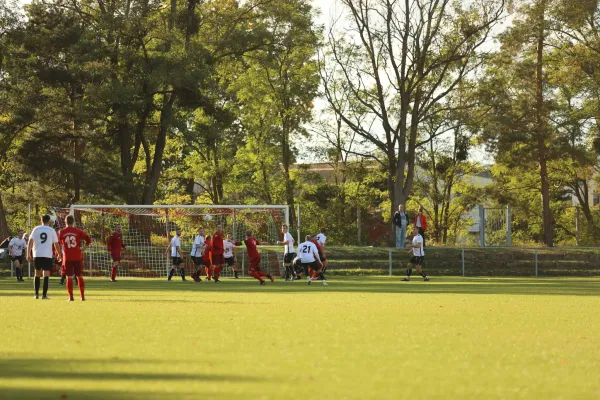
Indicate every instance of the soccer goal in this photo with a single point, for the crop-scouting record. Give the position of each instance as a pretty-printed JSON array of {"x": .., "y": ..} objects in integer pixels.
[{"x": 147, "y": 231}]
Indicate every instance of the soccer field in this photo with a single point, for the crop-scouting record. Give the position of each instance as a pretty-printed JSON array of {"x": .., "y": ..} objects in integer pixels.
[{"x": 373, "y": 338}]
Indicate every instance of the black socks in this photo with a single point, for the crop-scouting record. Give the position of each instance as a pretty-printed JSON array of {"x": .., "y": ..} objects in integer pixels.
[
  {"x": 45, "y": 289},
  {"x": 171, "y": 272},
  {"x": 36, "y": 285},
  {"x": 182, "y": 273}
]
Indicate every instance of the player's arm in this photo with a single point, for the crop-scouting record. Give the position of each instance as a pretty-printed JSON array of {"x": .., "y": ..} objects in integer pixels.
[
  {"x": 30, "y": 248},
  {"x": 87, "y": 240},
  {"x": 178, "y": 251},
  {"x": 10, "y": 248},
  {"x": 57, "y": 247}
]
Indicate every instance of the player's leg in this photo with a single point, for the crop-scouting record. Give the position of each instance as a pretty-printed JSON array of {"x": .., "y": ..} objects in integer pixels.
[
  {"x": 218, "y": 262},
  {"x": 80, "y": 282},
  {"x": 36, "y": 280},
  {"x": 47, "y": 270},
  {"x": 116, "y": 263},
  {"x": 63, "y": 274},
  {"x": 178, "y": 262},
  {"x": 408, "y": 270},
  {"x": 171, "y": 272},
  {"x": 70, "y": 270},
  {"x": 420, "y": 269},
  {"x": 18, "y": 269}
]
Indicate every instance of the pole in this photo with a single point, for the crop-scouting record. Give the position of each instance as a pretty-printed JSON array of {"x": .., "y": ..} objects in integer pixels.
[
  {"x": 390, "y": 254},
  {"x": 243, "y": 259},
  {"x": 90, "y": 264},
  {"x": 28, "y": 232},
  {"x": 508, "y": 227},
  {"x": 577, "y": 225},
  {"x": 536, "y": 262},
  {"x": 167, "y": 233},
  {"x": 463, "y": 261},
  {"x": 481, "y": 226},
  {"x": 234, "y": 223},
  {"x": 298, "y": 214},
  {"x": 358, "y": 223}
]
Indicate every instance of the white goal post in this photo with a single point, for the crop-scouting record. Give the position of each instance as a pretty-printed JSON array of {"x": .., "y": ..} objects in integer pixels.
[{"x": 148, "y": 229}]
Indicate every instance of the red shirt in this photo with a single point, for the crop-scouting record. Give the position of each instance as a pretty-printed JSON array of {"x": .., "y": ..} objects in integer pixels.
[
  {"x": 251, "y": 244},
  {"x": 115, "y": 243},
  {"x": 217, "y": 243},
  {"x": 423, "y": 221},
  {"x": 316, "y": 242},
  {"x": 207, "y": 253},
  {"x": 70, "y": 239}
]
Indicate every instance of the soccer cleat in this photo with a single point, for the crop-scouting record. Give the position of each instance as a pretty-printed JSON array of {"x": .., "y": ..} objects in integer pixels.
[
  {"x": 217, "y": 281},
  {"x": 426, "y": 279},
  {"x": 83, "y": 299},
  {"x": 236, "y": 275},
  {"x": 309, "y": 281},
  {"x": 36, "y": 296},
  {"x": 70, "y": 299},
  {"x": 263, "y": 282},
  {"x": 271, "y": 278},
  {"x": 114, "y": 280},
  {"x": 406, "y": 279},
  {"x": 324, "y": 283},
  {"x": 45, "y": 298}
]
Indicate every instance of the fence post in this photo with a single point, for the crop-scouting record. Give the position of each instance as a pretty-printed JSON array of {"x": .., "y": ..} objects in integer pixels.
[
  {"x": 358, "y": 222},
  {"x": 243, "y": 259},
  {"x": 390, "y": 254},
  {"x": 508, "y": 228},
  {"x": 463, "y": 261},
  {"x": 577, "y": 225},
  {"x": 298, "y": 216},
  {"x": 90, "y": 264},
  {"x": 536, "y": 262},
  {"x": 28, "y": 233},
  {"x": 481, "y": 226}
]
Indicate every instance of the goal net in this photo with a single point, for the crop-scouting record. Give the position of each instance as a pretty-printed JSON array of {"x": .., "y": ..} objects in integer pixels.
[{"x": 148, "y": 230}]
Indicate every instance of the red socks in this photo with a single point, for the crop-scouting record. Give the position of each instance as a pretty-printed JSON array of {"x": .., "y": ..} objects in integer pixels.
[
  {"x": 113, "y": 274},
  {"x": 218, "y": 272},
  {"x": 81, "y": 284},
  {"x": 208, "y": 272},
  {"x": 70, "y": 286}
]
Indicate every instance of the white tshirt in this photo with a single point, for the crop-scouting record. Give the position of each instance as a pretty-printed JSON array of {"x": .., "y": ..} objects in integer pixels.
[
  {"x": 418, "y": 252},
  {"x": 307, "y": 252},
  {"x": 321, "y": 238},
  {"x": 198, "y": 247},
  {"x": 18, "y": 246},
  {"x": 43, "y": 238},
  {"x": 174, "y": 243},
  {"x": 228, "y": 249},
  {"x": 418, "y": 223},
  {"x": 289, "y": 248}
]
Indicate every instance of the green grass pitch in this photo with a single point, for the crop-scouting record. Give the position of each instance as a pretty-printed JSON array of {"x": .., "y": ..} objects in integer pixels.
[{"x": 370, "y": 338}]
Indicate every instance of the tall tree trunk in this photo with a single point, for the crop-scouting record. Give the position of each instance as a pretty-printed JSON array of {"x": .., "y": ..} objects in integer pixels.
[
  {"x": 4, "y": 232},
  {"x": 542, "y": 146},
  {"x": 159, "y": 149}
]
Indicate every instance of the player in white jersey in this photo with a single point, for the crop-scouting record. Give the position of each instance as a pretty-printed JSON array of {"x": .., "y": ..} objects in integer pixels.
[
  {"x": 321, "y": 238},
  {"x": 309, "y": 254},
  {"x": 39, "y": 249},
  {"x": 229, "y": 254},
  {"x": 288, "y": 253},
  {"x": 418, "y": 255},
  {"x": 196, "y": 254},
  {"x": 16, "y": 250},
  {"x": 176, "y": 255}
]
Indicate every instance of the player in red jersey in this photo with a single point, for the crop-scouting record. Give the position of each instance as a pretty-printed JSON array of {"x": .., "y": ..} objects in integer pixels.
[
  {"x": 218, "y": 259},
  {"x": 115, "y": 244},
  {"x": 317, "y": 274},
  {"x": 207, "y": 257},
  {"x": 254, "y": 257},
  {"x": 70, "y": 239}
]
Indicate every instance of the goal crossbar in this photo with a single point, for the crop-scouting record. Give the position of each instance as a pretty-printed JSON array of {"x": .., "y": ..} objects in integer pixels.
[{"x": 233, "y": 207}]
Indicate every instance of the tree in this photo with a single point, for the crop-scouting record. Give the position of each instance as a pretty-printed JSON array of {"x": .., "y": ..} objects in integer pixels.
[{"x": 397, "y": 64}]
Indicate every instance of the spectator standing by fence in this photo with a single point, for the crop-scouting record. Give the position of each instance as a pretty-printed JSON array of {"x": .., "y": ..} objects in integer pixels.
[
  {"x": 401, "y": 221},
  {"x": 421, "y": 223}
]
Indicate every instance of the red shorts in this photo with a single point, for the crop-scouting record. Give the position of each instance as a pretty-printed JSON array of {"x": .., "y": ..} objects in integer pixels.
[
  {"x": 116, "y": 256},
  {"x": 218, "y": 259},
  {"x": 74, "y": 268},
  {"x": 255, "y": 265}
]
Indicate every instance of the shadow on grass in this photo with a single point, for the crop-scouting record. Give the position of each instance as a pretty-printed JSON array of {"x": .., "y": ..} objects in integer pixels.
[
  {"x": 72, "y": 371},
  {"x": 438, "y": 285}
]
